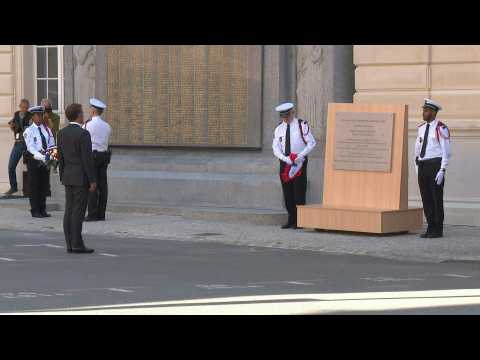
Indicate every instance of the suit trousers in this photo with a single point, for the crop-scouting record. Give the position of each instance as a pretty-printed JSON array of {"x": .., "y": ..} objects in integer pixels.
[
  {"x": 97, "y": 201},
  {"x": 431, "y": 193},
  {"x": 76, "y": 198},
  {"x": 294, "y": 192},
  {"x": 38, "y": 183}
]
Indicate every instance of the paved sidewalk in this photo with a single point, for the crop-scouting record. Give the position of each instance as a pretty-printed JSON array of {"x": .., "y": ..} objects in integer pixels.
[{"x": 459, "y": 242}]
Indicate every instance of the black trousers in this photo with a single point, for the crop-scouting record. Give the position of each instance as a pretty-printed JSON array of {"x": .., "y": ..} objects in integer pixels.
[
  {"x": 432, "y": 194},
  {"x": 97, "y": 201},
  {"x": 38, "y": 183},
  {"x": 76, "y": 198},
  {"x": 294, "y": 192}
]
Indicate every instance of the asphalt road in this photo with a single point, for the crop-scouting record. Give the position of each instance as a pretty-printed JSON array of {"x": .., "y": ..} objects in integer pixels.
[{"x": 167, "y": 276}]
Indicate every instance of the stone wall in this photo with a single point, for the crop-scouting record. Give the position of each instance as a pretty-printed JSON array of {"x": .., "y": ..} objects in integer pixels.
[
  {"x": 228, "y": 178},
  {"x": 450, "y": 74}
]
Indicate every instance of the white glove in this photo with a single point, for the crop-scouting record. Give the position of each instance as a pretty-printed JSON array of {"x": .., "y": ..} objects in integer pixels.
[
  {"x": 299, "y": 159},
  {"x": 40, "y": 157},
  {"x": 439, "y": 177},
  {"x": 288, "y": 160},
  {"x": 416, "y": 169}
]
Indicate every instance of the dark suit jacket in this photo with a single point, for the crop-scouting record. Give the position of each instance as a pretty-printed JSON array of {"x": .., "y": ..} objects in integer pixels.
[
  {"x": 75, "y": 156},
  {"x": 20, "y": 125}
]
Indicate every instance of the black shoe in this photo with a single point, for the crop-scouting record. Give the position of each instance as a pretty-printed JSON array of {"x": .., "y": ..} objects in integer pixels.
[
  {"x": 45, "y": 214},
  {"x": 84, "y": 250},
  {"x": 11, "y": 191},
  {"x": 69, "y": 251},
  {"x": 37, "y": 215},
  {"x": 436, "y": 235},
  {"x": 287, "y": 226},
  {"x": 101, "y": 219},
  {"x": 90, "y": 219},
  {"x": 426, "y": 235}
]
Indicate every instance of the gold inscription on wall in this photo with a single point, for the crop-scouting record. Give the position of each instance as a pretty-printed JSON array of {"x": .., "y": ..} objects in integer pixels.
[
  {"x": 363, "y": 141},
  {"x": 202, "y": 95}
]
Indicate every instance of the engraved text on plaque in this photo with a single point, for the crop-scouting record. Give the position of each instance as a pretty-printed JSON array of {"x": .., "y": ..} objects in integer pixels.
[
  {"x": 184, "y": 95},
  {"x": 363, "y": 141}
]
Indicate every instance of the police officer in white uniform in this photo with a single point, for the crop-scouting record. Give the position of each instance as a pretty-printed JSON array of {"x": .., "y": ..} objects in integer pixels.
[
  {"x": 38, "y": 139},
  {"x": 100, "y": 132},
  {"x": 292, "y": 142},
  {"x": 432, "y": 154}
]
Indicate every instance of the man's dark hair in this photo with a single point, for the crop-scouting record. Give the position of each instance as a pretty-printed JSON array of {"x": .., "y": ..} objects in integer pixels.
[
  {"x": 73, "y": 111},
  {"x": 25, "y": 101}
]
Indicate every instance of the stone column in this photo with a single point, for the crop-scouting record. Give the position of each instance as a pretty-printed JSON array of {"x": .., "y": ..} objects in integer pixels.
[
  {"x": 325, "y": 73},
  {"x": 84, "y": 71}
]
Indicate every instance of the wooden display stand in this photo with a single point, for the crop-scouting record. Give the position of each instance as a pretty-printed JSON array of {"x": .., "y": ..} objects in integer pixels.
[{"x": 365, "y": 200}]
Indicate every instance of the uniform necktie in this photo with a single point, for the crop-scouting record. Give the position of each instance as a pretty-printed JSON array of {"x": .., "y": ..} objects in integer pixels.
[
  {"x": 287, "y": 141},
  {"x": 44, "y": 141},
  {"x": 425, "y": 140}
]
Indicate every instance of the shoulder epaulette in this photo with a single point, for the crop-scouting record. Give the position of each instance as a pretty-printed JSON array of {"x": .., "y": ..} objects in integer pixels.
[{"x": 419, "y": 125}]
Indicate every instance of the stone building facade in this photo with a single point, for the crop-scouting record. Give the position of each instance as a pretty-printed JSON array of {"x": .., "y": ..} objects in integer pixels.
[
  {"x": 310, "y": 75},
  {"x": 449, "y": 74}
]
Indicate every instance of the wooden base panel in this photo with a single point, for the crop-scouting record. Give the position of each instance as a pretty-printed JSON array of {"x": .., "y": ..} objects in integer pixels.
[{"x": 359, "y": 220}]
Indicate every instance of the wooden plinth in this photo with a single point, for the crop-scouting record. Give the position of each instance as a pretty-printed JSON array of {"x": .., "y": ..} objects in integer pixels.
[{"x": 359, "y": 219}]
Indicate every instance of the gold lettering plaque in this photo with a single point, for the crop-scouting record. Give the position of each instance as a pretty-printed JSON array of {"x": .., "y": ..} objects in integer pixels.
[
  {"x": 363, "y": 141},
  {"x": 185, "y": 95}
]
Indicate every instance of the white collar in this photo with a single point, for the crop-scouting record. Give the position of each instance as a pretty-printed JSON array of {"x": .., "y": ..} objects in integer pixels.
[
  {"x": 96, "y": 118},
  {"x": 75, "y": 123}
]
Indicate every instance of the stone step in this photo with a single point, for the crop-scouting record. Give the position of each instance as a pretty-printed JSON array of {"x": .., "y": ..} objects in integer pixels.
[
  {"x": 235, "y": 215},
  {"x": 246, "y": 164},
  {"x": 249, "y": 191}
]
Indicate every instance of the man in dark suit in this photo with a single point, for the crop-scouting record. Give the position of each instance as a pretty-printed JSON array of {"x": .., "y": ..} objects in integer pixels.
[{"x": 77, "y": 174}]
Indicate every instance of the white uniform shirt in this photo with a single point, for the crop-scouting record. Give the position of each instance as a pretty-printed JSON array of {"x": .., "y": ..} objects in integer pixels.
[
  {"x": 297, "y": 145},
  {"x": 436, "y": 146},
  {"x": 100, "y": 132},
  {"x": 33, "y": 140}
]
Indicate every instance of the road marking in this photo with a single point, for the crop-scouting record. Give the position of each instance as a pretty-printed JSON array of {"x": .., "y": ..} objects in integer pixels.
[
  {"x": 382, "y": 279},
  {"x": 299, "y": 283},
  {"x": 223, "y": 286},
  {"x": 6, "y": 259},
  {"x": 110, "y": 255},
  {"x": 121, "y": 290},
  {"x": 39, "y": 245},
  {"x": 457, "y": 275}
]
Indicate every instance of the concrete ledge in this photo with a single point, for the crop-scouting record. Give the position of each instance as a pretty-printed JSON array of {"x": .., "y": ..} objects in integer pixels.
[{"x": 233, "y": 215}]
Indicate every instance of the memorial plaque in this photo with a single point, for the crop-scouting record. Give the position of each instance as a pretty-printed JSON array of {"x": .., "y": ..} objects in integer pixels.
[
  {"x": 363, "y": 141},
  {"x": 185, "y": 95}
]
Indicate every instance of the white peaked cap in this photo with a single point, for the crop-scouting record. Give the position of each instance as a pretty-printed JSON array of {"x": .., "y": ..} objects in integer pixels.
[
  {"x": 36, "y": 109},
  {"x": 284, "y": 107},
  {"x": 432, "y": 104},
  {"x": 97, "y": 103}
]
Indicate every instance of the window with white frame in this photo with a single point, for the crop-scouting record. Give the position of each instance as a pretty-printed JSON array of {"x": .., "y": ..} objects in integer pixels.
[{"x": 48, "y": 75}]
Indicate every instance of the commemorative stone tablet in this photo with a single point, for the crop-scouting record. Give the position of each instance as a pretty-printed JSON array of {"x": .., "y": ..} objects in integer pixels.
[
  {"x": 363, "y": 141},
  {"x": 185, "y": 95}
]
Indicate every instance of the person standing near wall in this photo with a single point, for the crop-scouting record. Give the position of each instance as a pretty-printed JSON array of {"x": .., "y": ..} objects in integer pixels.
[
  {"x": 20, "y": 121},
  {"x": 38, "y": 141},
  {"x": 292, "y": 142},
  {"x": 432, "y": 155},
  {"x": 100, "y": 132}
]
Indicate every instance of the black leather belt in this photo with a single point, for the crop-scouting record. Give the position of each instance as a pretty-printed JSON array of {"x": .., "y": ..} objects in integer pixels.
[{"x": 430, "y": 161}]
